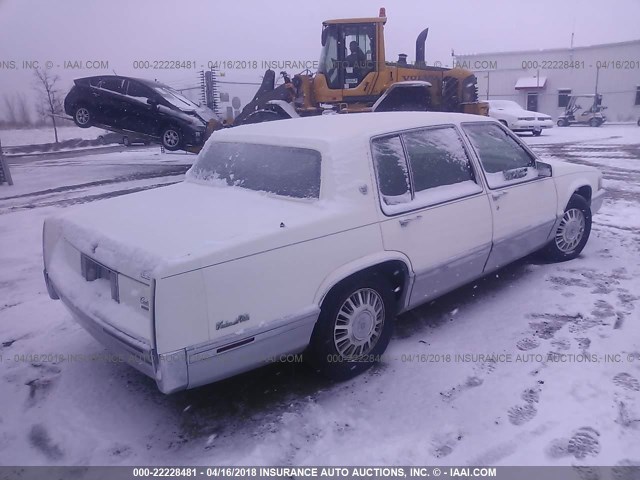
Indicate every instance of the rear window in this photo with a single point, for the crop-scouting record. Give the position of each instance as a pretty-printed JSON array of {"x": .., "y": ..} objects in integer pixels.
[{"x": 287, "y": 171}]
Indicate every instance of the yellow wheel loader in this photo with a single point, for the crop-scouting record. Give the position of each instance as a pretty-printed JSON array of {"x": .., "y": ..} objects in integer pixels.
[{"x": 354, "y": 76}]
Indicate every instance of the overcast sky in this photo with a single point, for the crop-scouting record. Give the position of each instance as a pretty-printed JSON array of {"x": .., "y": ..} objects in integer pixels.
[{"x": 122, "y": 31}]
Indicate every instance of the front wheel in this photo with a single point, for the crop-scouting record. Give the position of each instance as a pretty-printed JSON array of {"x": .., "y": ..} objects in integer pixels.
[
  {"x": 171, "y": 139},
  {"x": 594, "y": 122},
  {"x": 353, "y": 329},
  {"x": 125, "y": 141},
  {"x": 562, "y": 122},
  {"x": 537, "y": 133},
  {"x": 572, "y": 233}
]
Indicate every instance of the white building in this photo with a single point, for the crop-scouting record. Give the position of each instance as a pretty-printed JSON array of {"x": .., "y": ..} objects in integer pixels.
[{"x": 540, "y": 80}]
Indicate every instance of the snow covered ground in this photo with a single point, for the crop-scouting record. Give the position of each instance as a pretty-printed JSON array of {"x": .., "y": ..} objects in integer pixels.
[
  {"x": 36, "y": 136},
  {"x": 538, "y": 364}
]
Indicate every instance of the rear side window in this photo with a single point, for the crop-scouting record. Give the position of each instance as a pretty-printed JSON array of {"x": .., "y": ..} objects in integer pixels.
[
  {"x": 422, "y": 168},
  {"x": 502, "y": 158},
  {"x": 392, "y": 170},
  {"x": 437, "y": 157},
  {"x": 112, "y": 84},
  {"x": 286, "y": 171}
]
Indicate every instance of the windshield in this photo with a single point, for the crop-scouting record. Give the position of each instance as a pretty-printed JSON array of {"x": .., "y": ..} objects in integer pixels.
[
  {"x": 286, "y": 171},
  {"x": 175, "y": 98},
  {"x": 329, "y": 56}
]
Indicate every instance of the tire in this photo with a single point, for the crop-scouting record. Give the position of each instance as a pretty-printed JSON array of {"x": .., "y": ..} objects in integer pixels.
[
  {"x": 171, "y": 138},
  {"x": 562, "y": 123},
  {"x": 101, "y": 140},
  {"x": 572, "y": 233},
  {"x": 594, "y": 122},
  {"x": 82, "y": 116},
  {"x": 537, "y": 133},
  {"x": 125, "y": 141},
  {"x": 339, "y": 355},
  {"x": 639, "y": 122}
]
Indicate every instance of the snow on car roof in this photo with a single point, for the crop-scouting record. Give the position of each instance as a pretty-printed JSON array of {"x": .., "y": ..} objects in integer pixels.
[{"x": 335, "y": 128}]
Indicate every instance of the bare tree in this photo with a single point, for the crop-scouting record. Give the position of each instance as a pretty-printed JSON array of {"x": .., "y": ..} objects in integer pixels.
[
  {"x": 10, "y": 115},
  {"x": 23, "y": 110},
  {"x": 49, "y": 103}
]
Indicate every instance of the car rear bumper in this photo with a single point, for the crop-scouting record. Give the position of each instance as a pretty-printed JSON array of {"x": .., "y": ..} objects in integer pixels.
[
  {"x": 168, "y": 370},
  {"x": 529, "y": 126}
]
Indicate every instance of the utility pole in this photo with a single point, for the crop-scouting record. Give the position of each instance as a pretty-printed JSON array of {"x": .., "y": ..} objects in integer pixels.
[{"x": 5, "y": 174}]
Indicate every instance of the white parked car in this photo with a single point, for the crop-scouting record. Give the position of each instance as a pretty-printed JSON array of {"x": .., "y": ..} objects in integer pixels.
[
  {"x": 513, "y": 116},
  {"x": 309, "y": 235}
]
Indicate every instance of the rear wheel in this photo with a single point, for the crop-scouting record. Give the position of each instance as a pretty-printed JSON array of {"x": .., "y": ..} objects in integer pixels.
[
  {"x": 594, "y": 122},
  {"x": 537, "y": 133},
  {"x": 353, "y": 329},
  {"x": 82, "y": 116},
  {"x": 572, "y": 233},
  {"x": 125, "y": 141},
  {"x": 171, "y": 138}
]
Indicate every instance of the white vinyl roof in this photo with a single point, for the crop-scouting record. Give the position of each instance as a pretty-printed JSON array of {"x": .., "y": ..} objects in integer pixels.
[{"x": 531, "y": 82}]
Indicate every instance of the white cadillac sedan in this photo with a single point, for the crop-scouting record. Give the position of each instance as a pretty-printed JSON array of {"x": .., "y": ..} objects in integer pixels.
[
  {"x": 309, "y": 235},
  {"x": 513, "y": 116}
]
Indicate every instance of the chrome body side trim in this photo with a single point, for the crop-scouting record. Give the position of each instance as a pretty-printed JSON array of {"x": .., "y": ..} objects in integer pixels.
[
  {"x": 235, "y": 353},
  {"x": 596, "y": 201},
  {"x": 447, "y": 276},
  {"x": 506, "y": 250}
]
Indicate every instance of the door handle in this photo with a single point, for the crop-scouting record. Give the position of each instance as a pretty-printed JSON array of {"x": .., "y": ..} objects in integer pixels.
[
  {"x": 500, "y": 194},
  {"x": 406, "y": 221}
]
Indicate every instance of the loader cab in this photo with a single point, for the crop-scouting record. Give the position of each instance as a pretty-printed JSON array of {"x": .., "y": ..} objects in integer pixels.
[
  {"x": 348, "y": 54},
  {"x": 352, "y": 51}
]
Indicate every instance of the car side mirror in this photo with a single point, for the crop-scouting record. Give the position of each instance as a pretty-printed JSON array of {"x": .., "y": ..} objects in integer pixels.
[{"x": 544, "y": 170}]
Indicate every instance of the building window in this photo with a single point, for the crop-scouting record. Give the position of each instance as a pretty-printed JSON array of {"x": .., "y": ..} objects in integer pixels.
[
  {"x": 638, "y": 95},
  {"x": 563, "y": 97}
]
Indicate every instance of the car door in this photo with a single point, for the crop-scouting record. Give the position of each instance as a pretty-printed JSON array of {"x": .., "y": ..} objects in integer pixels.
[
  {"x": 112, "y": 100},
  {"x": 435, "y": 210},
  {"x": 144, "y": 116},
  {"x": 523, "y": 202}
]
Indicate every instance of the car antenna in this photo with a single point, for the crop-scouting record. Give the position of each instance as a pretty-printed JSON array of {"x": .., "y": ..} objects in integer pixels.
[{"x": 114, "y": 72}]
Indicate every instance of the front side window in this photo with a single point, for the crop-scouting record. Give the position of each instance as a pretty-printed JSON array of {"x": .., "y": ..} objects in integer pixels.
[
  {"x": 139, "y": 91},
  {"x": 422, "y": 168},
  {"x": 359, "y": 53},
  {"x": 175, "y": 98},
  {"x": 437, "y": 158},
  {"x": 504, "y": 160},
  {"x": 286, "y": 171}
]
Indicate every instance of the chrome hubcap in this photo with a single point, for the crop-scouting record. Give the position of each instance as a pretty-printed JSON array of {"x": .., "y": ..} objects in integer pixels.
[
  {"x": 82, "y": 115},
  {"x": 359, "y": 323},
  {"x": 571, "y": 230},
  {"x": 171, "y": 138}
]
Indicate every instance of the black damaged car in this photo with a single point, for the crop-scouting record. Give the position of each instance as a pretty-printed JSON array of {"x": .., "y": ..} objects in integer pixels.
[{"x": 149, "y": 108}]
